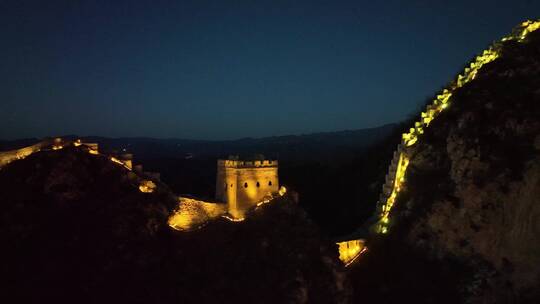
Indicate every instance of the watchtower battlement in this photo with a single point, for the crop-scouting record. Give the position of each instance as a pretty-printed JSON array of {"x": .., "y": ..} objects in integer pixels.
[
  {"x": 241, "y": 184},
  {"x": 247, "y": 163}
]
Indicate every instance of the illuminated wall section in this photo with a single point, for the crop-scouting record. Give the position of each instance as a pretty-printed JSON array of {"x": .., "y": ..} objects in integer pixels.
[
  {"x": 145, "y": 186},
  {"x": 8, "y": 156},
  {"x": 243, "y": 184},
  {"x": 192, "y": 213},
  {"x": 349, "y": 251},
  {"x": 253, "y": 185},
  {"x": 396, "y": 174},
  {"x": 226, "y": 182}
]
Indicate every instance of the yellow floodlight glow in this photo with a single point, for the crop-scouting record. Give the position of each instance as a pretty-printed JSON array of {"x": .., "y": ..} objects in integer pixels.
[
  {"x": 441, "y": 103},
  {"x": 350, "y": 250},
  {"x": 233, "y": 219},
  {"x": 121, "y": 163},
  {"x": 147, "y": 186},
  {"x": 192, "y": 214},
  {"x": 116, "y": 160},
  {"x": 399, "y": 182}
]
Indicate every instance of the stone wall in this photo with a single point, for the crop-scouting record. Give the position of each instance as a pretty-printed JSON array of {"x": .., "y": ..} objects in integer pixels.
[
  {"x": 192, "y": 213},
  {"x": 8, "y": 156},
  {"x": 397, "y": 169},
  {"x": 350, "y": 250},
  {"x": 242, "y": 184}
]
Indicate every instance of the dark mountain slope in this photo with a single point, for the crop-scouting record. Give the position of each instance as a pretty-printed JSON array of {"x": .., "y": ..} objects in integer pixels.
[
  {"x": 471, "y": 205},
  {"x": 275, "y": 256},
  {"x": 75, "y": 228},
  {"x": 72, "y": 223}
]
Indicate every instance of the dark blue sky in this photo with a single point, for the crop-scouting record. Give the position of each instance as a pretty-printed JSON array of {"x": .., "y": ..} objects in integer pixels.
[{"x": 230, "y": 69}]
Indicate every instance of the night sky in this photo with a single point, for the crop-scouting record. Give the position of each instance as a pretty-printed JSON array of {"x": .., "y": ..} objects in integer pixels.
[{"x": 231, "y": 69}]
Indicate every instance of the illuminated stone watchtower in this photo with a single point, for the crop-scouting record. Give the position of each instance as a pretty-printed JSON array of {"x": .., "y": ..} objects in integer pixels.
[{"x": 242, "y": 184}]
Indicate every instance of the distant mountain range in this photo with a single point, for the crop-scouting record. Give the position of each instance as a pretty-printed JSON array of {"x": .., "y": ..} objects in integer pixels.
[
  {"x": 307, "y": 164},
  {"x": 316, "y": 146}
]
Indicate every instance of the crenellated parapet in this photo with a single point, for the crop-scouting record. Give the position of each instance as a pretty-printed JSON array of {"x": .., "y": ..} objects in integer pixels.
[
  {"x": 241, "y": 184},
  {"x": 395, "y": 178},
  {"x": 227, "y": 163},
  {"x": 58, "y": 143},
  {"x": 145, "y": 179}
]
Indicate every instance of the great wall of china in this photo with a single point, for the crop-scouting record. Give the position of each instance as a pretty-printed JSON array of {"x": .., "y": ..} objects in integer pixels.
[
  {"x": 190, "y": 213},
  {"x": 7, "y": 157},
  {"x": 354, "y": 246},
  {"x": 395, "y": 178},
  {"x": 144, "y": 179},
  {"x": 199, "y": 212}
]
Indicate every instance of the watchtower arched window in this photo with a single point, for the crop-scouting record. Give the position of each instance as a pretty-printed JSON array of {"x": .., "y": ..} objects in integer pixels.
[
  {"x": 245, "y": 185},
  {"x": 270, "y": 183},
  {"x": 231, "y": 185},
  {"x": 258, "y": 185}
]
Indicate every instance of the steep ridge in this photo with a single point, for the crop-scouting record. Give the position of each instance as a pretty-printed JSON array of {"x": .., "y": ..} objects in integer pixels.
[
  {"x": 77, "y": 227},
  {"x": 398, "y": 167},
  {"x": 461, "y": 207},
  {"x": 73, "y": 223}
]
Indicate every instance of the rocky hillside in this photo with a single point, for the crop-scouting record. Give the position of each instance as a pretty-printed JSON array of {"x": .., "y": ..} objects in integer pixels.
[
  {"x": 469, "y": 216},
  {"x": 75, "y": 227},
  {"x": 276, "y": 255}
]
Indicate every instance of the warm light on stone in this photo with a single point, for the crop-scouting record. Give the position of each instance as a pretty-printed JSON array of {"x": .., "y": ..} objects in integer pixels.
[
  {"x": 124, "y": 163},
  {"x": 243, "y": 184},
  {"x": 233, "y": 219},
  {"x": 439, "y": 104},
  {"x": 8, "y": 156},
  {"x": 349, "y": 251},
  {"x": 147, "y": 186},
  {"x": 191, "y": 213}
]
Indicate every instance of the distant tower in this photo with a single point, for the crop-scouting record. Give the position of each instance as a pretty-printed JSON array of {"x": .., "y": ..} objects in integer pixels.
[{"x": 242, "y": 184}]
